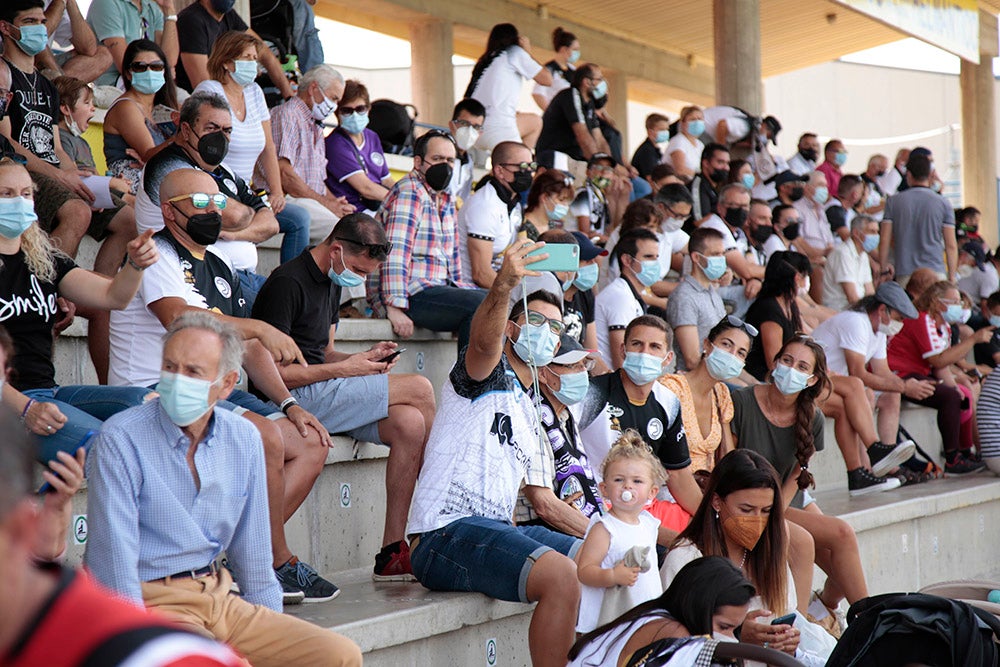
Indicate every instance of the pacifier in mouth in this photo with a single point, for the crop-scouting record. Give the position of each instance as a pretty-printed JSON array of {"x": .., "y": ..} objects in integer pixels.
[{"x": 627, "y": 496}]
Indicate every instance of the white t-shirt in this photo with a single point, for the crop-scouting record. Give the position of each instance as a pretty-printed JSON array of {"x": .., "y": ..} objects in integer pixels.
[
  {"x": 691, "y": 151},
  {"x": 478, "y": 451},
  {"x": 247, "y": 141},
  {"x": 499, "y": 89},
  {"x": 845, "y": 265},
  {"x": 485, "y": 217},
  {"x": 559, "y": 84},
  {"x": 614, "y": 307},
  {"x": 606, "y": 649},
  {"x": 980, "y": 284},
  {"x": 729, "y": 242},
  {"x": 849, "y": 330},
  {"x": 772, "y": 245},
  {"x": 460, "y": 186},
  {"x": 737, "y": 125}
]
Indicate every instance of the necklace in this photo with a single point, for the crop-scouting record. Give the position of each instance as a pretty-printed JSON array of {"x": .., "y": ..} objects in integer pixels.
[{"x": 746, "y": 554}]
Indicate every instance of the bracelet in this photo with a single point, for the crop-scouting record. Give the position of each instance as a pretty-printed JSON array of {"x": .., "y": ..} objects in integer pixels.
[
  {"x": 27, "y": 406},
  {"x": 135, "y": 266},
  {"x": 287, "y": 404},
  {"x": 172, "y": 17}
]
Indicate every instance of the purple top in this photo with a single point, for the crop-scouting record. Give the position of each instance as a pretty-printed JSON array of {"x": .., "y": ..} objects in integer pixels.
[{"x": 344, "y": 158}]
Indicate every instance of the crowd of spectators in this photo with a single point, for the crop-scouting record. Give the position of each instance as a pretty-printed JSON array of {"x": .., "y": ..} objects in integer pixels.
[{"x": 648, "y": 419}]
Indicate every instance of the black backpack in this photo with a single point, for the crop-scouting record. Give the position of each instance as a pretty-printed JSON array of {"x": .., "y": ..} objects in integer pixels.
[{"x": 393, "y": 123}]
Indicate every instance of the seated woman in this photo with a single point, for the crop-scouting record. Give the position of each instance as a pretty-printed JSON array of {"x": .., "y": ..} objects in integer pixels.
[
  {"x": 812, "y": 313},
  {"x": 683, "y": 152},
  {"x": 139, "y": 120},
  {"x": 781, "y": 421},
  {"x": 741, "y": 171},
  {"x": 706, "y": 405},
  {"x": 709, "y": 596},
  {"x": 923, "y": 349},
  {"x": 35, "y": 272},
  {"x": 355, "y": 165},
  {"x": 548, "y": 203}
]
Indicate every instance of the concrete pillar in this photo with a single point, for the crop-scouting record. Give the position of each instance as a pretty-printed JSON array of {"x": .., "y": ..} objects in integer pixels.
[
  {"x": 736, "y": 28},
  {"x": 432, "y": 76},
  {"x": 617, "y": 107},
  {"x": 979, "y": 139}
]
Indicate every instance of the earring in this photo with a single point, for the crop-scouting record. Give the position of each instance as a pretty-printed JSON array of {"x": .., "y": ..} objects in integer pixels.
[{"x": 716, "y": 515}]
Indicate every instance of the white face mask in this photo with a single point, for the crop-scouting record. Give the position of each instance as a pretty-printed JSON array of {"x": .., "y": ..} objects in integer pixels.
[
  {"x": 73, "y": 127},
  {"x": 964, "y": 271},
  {"x": 323, "y": 108},
  {"x": 466, "y": 137},
  {"x": 718, "y": 636},
  {"x": 890, "y": 329}
]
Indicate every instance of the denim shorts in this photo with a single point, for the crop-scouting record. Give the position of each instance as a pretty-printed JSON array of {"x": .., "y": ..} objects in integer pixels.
[{"x": 486, "y": 556}]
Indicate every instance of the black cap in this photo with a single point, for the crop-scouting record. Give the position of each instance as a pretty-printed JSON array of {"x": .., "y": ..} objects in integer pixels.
[
  {"x": 977, "y": 253},
  {"x": 788, "y": 176},
  {"x": 570, "y": 351},
  {"x": 588, "y": 250},
  {"x": 600, "y": 157}
]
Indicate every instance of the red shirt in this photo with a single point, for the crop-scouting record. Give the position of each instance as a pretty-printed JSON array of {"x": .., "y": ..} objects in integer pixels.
[
  {"x": 833, "y": 174},
  {"x": 919, "y": 339}
]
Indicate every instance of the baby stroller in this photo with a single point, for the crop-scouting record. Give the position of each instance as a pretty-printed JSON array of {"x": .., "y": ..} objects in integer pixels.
[
  {"x": 689, "y": 651},
  {"x": 900, "y": 628}
]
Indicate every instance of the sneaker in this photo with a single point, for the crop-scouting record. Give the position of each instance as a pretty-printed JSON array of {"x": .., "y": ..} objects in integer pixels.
[
  {"x": 290, "y": 595},
  {"x": 392, "y": 563},
  {"x": 957, "y": 464},
  {"x": 298, "y": 576},
  {"x": 886, "y": 458},
  {"x": 861, "y": 482}
]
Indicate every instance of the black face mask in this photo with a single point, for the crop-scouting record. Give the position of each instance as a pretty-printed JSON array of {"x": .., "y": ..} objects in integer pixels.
[
  {"x": 203, "y": 228},
  {"x": 212, "y": 147},
  {"x": 3, "y": 106},
  {"x": 797, "y": 193},
  {"x": 223, "y": 6},
  {"x": 791, "y": 232},
  {"x": 736, "y": 217},
  {"x": 719, "y": 175},
  {"x": 438, "y": 176},
  {"x": 600, "y": 102},
  {"x": 880, "y": 173},
  {"x": 762, "y": 233},
  {"x": 809, "y": 154},
  {"x": 521, "y": 182}
]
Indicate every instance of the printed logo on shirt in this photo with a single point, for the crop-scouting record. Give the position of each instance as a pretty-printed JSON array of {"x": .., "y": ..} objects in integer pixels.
[
  {"x": 654, "y": 428},
  {"x": 35, "y": 302},
  {"x": 186, "y": 269},
  {"x": 223, "y": 286},
  {"x": 378, "y": 159},
  {"x": 36, "y": 135},
  {"x": 503, "y": 429},
  {"x": 230, "y": 184}
]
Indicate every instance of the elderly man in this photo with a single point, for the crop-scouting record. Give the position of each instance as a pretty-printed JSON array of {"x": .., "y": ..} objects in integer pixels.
[
  {"x": 190, "y": 275},
  {"x": 484, "y": 443},
  {"x": 173, "y": 484},
  {"x": 352, "y": 393},
  {"x": 297, "y": 126},
  {"x": 421, "y": 281},
  {"x": 848, "y": 275},
  {"x": 815, "y": 239}
]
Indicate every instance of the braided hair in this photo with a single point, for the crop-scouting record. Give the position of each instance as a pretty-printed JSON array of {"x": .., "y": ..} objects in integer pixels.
[{"x": 502, "y": 37}]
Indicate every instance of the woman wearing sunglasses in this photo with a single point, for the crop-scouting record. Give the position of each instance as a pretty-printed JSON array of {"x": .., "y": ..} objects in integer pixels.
[{"x": 139, "y": 120}]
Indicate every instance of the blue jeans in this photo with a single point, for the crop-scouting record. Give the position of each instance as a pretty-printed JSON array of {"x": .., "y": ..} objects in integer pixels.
[
  {"x": 485, "y": 555},
  {"x": 446, "y": 309},
  {"x": 85, "y": 408},
  {"x": 250, "y": 284},
  {"x": 305, "y": 36},
  {"x": 293, "y": 221}
]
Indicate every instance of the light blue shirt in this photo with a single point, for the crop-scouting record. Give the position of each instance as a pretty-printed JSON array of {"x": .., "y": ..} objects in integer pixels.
[{"x": 147, "y": 518}]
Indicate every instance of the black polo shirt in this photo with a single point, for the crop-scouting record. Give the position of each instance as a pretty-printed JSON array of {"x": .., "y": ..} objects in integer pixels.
[{"x": 565, "y": 109}]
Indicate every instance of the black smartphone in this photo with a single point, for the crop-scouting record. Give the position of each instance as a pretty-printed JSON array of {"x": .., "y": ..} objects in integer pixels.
[
  {"x": 391, "y": 357},
  {"x": 787, "y": 619}
]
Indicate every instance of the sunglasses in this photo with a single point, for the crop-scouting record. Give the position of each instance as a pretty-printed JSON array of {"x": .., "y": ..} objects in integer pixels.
[
  {"x": 749, "y": 329},
  {"x": 375, "y": 250},
  {"x": 200, "y": 200},
  {"x": 536, "y": 319},
  {"x": 520, "y": 166},
  {"x": 347, "y": 111},
  {"x": 142, "y": 67}
]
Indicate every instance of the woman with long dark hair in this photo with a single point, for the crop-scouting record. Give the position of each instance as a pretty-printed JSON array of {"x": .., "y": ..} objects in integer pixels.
[
  {"x": 709, "y": 596},
  {"x": 775, "y": 312},
  {"x": 496, "y": 82}
]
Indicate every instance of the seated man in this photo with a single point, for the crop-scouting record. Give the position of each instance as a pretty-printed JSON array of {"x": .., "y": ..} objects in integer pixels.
[
  {"x": 191, "y": 276},
  {"x": 638, "y": 255},
  {"x": 56, "y": 616},
  {"x": 695, "y": 306},
  {"x": 352, "y": 393},
  {"x": 650, "y": 152},
  {"x": 117, "y": 24},
  {"x": 421, "y": 281},
  {"x": 80, "y": 57},
  {"x": 707, "y": 184},
  {"x": 298, "y": 140},
  {"x": 173, "y": 484},
  {"x": 484, "y": 443},
  {"x": 729, "y": 218},
  {"x": 31, "y": 125},
  {"x": 848, "y": 275},
  {"x": 570, "y": 127},
  {"x": 466, "y": 125}
]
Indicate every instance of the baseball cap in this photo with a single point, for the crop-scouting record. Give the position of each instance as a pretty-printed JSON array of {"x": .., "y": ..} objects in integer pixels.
[
  {"x": 570, "y": 351},
  {"x": 977, "y": 253},
  {"x": 893, "y": 296},
  {"x": 600, "y": 157},
  {"x": 788, "y": 176},
  {"x": 588, "y": 250}
]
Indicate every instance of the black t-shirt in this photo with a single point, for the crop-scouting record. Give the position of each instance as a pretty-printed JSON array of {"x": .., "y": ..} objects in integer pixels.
[
  {"x": 28, "y": 310},
  {"x": 33, "y": 112},
  {"x": 174, "y": 157},
  {"x": 211, "y": 276},
  {"x": 301, "y": 301},
  {"x": 766, "y": 310},
  {"x": 646, "y": 157},
  {"x": 197, "y": 32},
  {"x": 705, "y": 200},
  {"x": 578, "y": 312},
  {"x": 565, "y": 109}
]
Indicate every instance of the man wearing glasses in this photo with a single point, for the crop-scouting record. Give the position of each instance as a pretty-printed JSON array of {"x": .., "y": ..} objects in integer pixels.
[
  {"x": 466, "y": 126},
  {"x": 352, "y": 393}
]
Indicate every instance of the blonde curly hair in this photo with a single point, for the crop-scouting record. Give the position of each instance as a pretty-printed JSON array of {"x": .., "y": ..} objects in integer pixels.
[
  {"x": 39, "y": 252},
  {"x": 631, "y": 446}
]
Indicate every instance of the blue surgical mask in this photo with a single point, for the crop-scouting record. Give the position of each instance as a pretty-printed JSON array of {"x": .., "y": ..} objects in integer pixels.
[
  {"x": 566, "y": 285},
  {"x": 954, "y": 313},
  {"x": 663, "y": 136},
  {"x": 345, "y": 278},
  {"x": 821, "y": 195},
  {"x": 789, "y": 380},
  {"x": 586, "y": 277},
  {"x": 723, "y": 365},
  {"x": 600, "y": 90},
  {"x": 184, "y": 399},
  {"x": 714, "y": 267},
  {"x": 34, "y": 39},
  {"x": 748, "y": 180},
  {"x": 245, "y": 72},
  {"x": 354, "y": 123},
  {"x": 840, "y": 158},
  {"x": 649, "y": 273},
  {"x": 642, "y": 368},
  {"x": 558, "y": 212},
  {"x": 16, "y": 215},
  {"x": 696, "y": 128},
  {"x": 572, "y": 387},
  {"x": 870, "y": 242},
  {"x": 148, "y": 82},
  {"x": 995, "y": 320},
  {"x": 574, "y": 56},
  {"x": 536, "y": 345}
]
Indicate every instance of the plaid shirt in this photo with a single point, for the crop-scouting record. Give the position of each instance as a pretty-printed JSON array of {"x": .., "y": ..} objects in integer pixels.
[
  {"x": 423, "y": 229},
  {"x": 298, "y": 138}
]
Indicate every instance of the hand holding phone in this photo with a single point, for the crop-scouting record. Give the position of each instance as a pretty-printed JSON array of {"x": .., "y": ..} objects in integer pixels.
[
  {"x": 561, "y": 257},
  {"x": 787, "y": 619},
  {"x": 391, "y": 357}
]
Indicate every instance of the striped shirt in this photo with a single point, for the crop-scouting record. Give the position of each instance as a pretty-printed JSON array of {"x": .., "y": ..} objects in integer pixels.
[
  {"x": 988, "y": 415},
  {"x": 298, "y": 138},
  {"x": 148, "y": 519}
]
